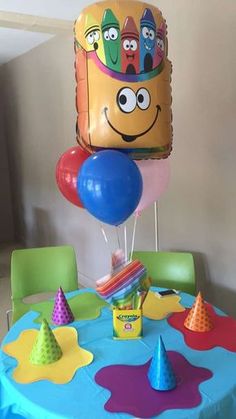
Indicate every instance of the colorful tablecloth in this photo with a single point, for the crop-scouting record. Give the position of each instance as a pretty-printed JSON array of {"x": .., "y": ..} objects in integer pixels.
[{"x": 82, "y": 398}]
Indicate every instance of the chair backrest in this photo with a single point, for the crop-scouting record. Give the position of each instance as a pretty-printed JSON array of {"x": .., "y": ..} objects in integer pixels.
[
  {"x": 169, "y": 269},
  {"x": 43, "y": 269}
]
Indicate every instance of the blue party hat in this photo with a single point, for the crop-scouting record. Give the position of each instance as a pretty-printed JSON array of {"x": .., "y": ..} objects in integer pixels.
[{"x": 160, "y": 374}]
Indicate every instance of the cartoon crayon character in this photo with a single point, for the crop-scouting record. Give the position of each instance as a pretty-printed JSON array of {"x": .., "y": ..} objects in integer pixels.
[
  {"x": 111, "y": 40},
  {"x": 121, "y": 110},
  {"x": 92, "y": 33},
  {"x": 130, "y": 47},
  {"x": 147, "y": 41},
  {"x": 160, "y": 44}
]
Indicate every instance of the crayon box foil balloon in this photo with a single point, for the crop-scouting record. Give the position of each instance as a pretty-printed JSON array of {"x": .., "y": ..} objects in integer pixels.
[{"x": 123, "y": 93}]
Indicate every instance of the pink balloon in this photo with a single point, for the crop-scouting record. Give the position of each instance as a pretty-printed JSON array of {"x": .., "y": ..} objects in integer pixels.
[{"x": 156, "y": 175}]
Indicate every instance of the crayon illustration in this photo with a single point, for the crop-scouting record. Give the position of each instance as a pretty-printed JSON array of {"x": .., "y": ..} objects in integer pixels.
[
  {"x": 130, "y": 47},
  {"x": 92, "y": 33},
  {"x": 123, "y": 95},
  {"x": 147, "y": 41},
  {"x": 160, "y": 44},
  {"x": 111, "y": 40}
]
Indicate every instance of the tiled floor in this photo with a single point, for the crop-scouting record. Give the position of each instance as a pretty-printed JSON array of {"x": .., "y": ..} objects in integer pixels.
[{"x": 5, "y": 293}]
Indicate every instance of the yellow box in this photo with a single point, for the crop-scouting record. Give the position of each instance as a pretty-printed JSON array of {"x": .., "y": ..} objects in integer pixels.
[{"x": 127, "y": 324}]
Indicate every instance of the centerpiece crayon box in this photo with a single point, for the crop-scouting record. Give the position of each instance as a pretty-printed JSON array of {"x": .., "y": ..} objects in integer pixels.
[{"x": 127, "y": 324}]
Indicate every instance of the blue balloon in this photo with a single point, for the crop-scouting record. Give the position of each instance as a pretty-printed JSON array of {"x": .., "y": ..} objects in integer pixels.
[{"x": 110, "y": 186}]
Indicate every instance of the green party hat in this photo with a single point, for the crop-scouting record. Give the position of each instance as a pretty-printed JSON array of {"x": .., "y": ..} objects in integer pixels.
[{"x": 46, "y": 349}]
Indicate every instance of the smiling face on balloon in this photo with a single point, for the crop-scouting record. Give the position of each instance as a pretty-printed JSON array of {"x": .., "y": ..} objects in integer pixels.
[
  {"x": 129, "y": 115},
  {"x": 123, "y": 80},
  {"x": 135, "y": 104}
]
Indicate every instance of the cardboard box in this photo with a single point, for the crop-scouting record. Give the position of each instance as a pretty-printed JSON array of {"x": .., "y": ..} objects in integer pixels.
[{"x": 127, "y": 324}]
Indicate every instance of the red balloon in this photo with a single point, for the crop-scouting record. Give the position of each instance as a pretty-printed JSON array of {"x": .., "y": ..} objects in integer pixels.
[{"x": 67, "y": 170}]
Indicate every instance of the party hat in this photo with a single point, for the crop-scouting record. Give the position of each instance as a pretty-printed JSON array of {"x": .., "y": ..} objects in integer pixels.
[
  {"x": 198, "y": 319},
  {"x": 62, "y": 313},
  {"x": 160, "y": 374},
  {"x": 46, "y": 349}
]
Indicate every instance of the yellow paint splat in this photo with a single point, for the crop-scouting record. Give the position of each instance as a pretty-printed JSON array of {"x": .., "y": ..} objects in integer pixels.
[
  {"x": 59, "y": 372},
  {"x": 156, "y": 308}
]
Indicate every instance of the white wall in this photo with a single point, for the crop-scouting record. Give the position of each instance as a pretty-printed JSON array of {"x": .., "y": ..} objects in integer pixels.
[{"x": 197, "y": 213}]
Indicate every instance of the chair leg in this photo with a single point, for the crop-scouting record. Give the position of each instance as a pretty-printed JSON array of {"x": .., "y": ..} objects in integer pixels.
[{"x": 8, "y": 318}]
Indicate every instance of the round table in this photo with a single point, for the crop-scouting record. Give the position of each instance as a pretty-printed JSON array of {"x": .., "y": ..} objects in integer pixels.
[{"x": 82, "y": 398}]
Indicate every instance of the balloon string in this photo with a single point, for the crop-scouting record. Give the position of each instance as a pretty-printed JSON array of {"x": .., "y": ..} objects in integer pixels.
[
  {"x": 157, "y": 247},
  {"x": 104, "y": 234},
  {"x": 118, "y": 238},
  {"x": 133, "y": 237},
  {"x": 105, "y": 237},
  {"x": 125, "y": 240}
]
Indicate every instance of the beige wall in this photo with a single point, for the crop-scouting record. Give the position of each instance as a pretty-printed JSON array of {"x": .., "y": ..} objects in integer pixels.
[
  {"x": 197, "y": 213},
  {"x": 6, "y": 219}
]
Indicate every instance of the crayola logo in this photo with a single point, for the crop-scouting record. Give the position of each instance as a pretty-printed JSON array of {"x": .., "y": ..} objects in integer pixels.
[
  {"x": 128, "y": 317},
  {"x": 127, "y": 324}
]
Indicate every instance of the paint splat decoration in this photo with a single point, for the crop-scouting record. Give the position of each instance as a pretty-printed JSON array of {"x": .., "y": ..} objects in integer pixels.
[
  {"x": 203, "y": 328},
  {"x": 84, "y": 306},
  {"x": 158, "y": 308},
  {"x": 132, "y": 393},
  {"x": 121, "y": 51},
  {"x": 47, "y": 355}
]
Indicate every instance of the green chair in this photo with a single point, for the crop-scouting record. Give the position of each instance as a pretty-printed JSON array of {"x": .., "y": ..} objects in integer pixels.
[
  {"x": 169, "y": 269},
  {"x": 40, "y": 270}
]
